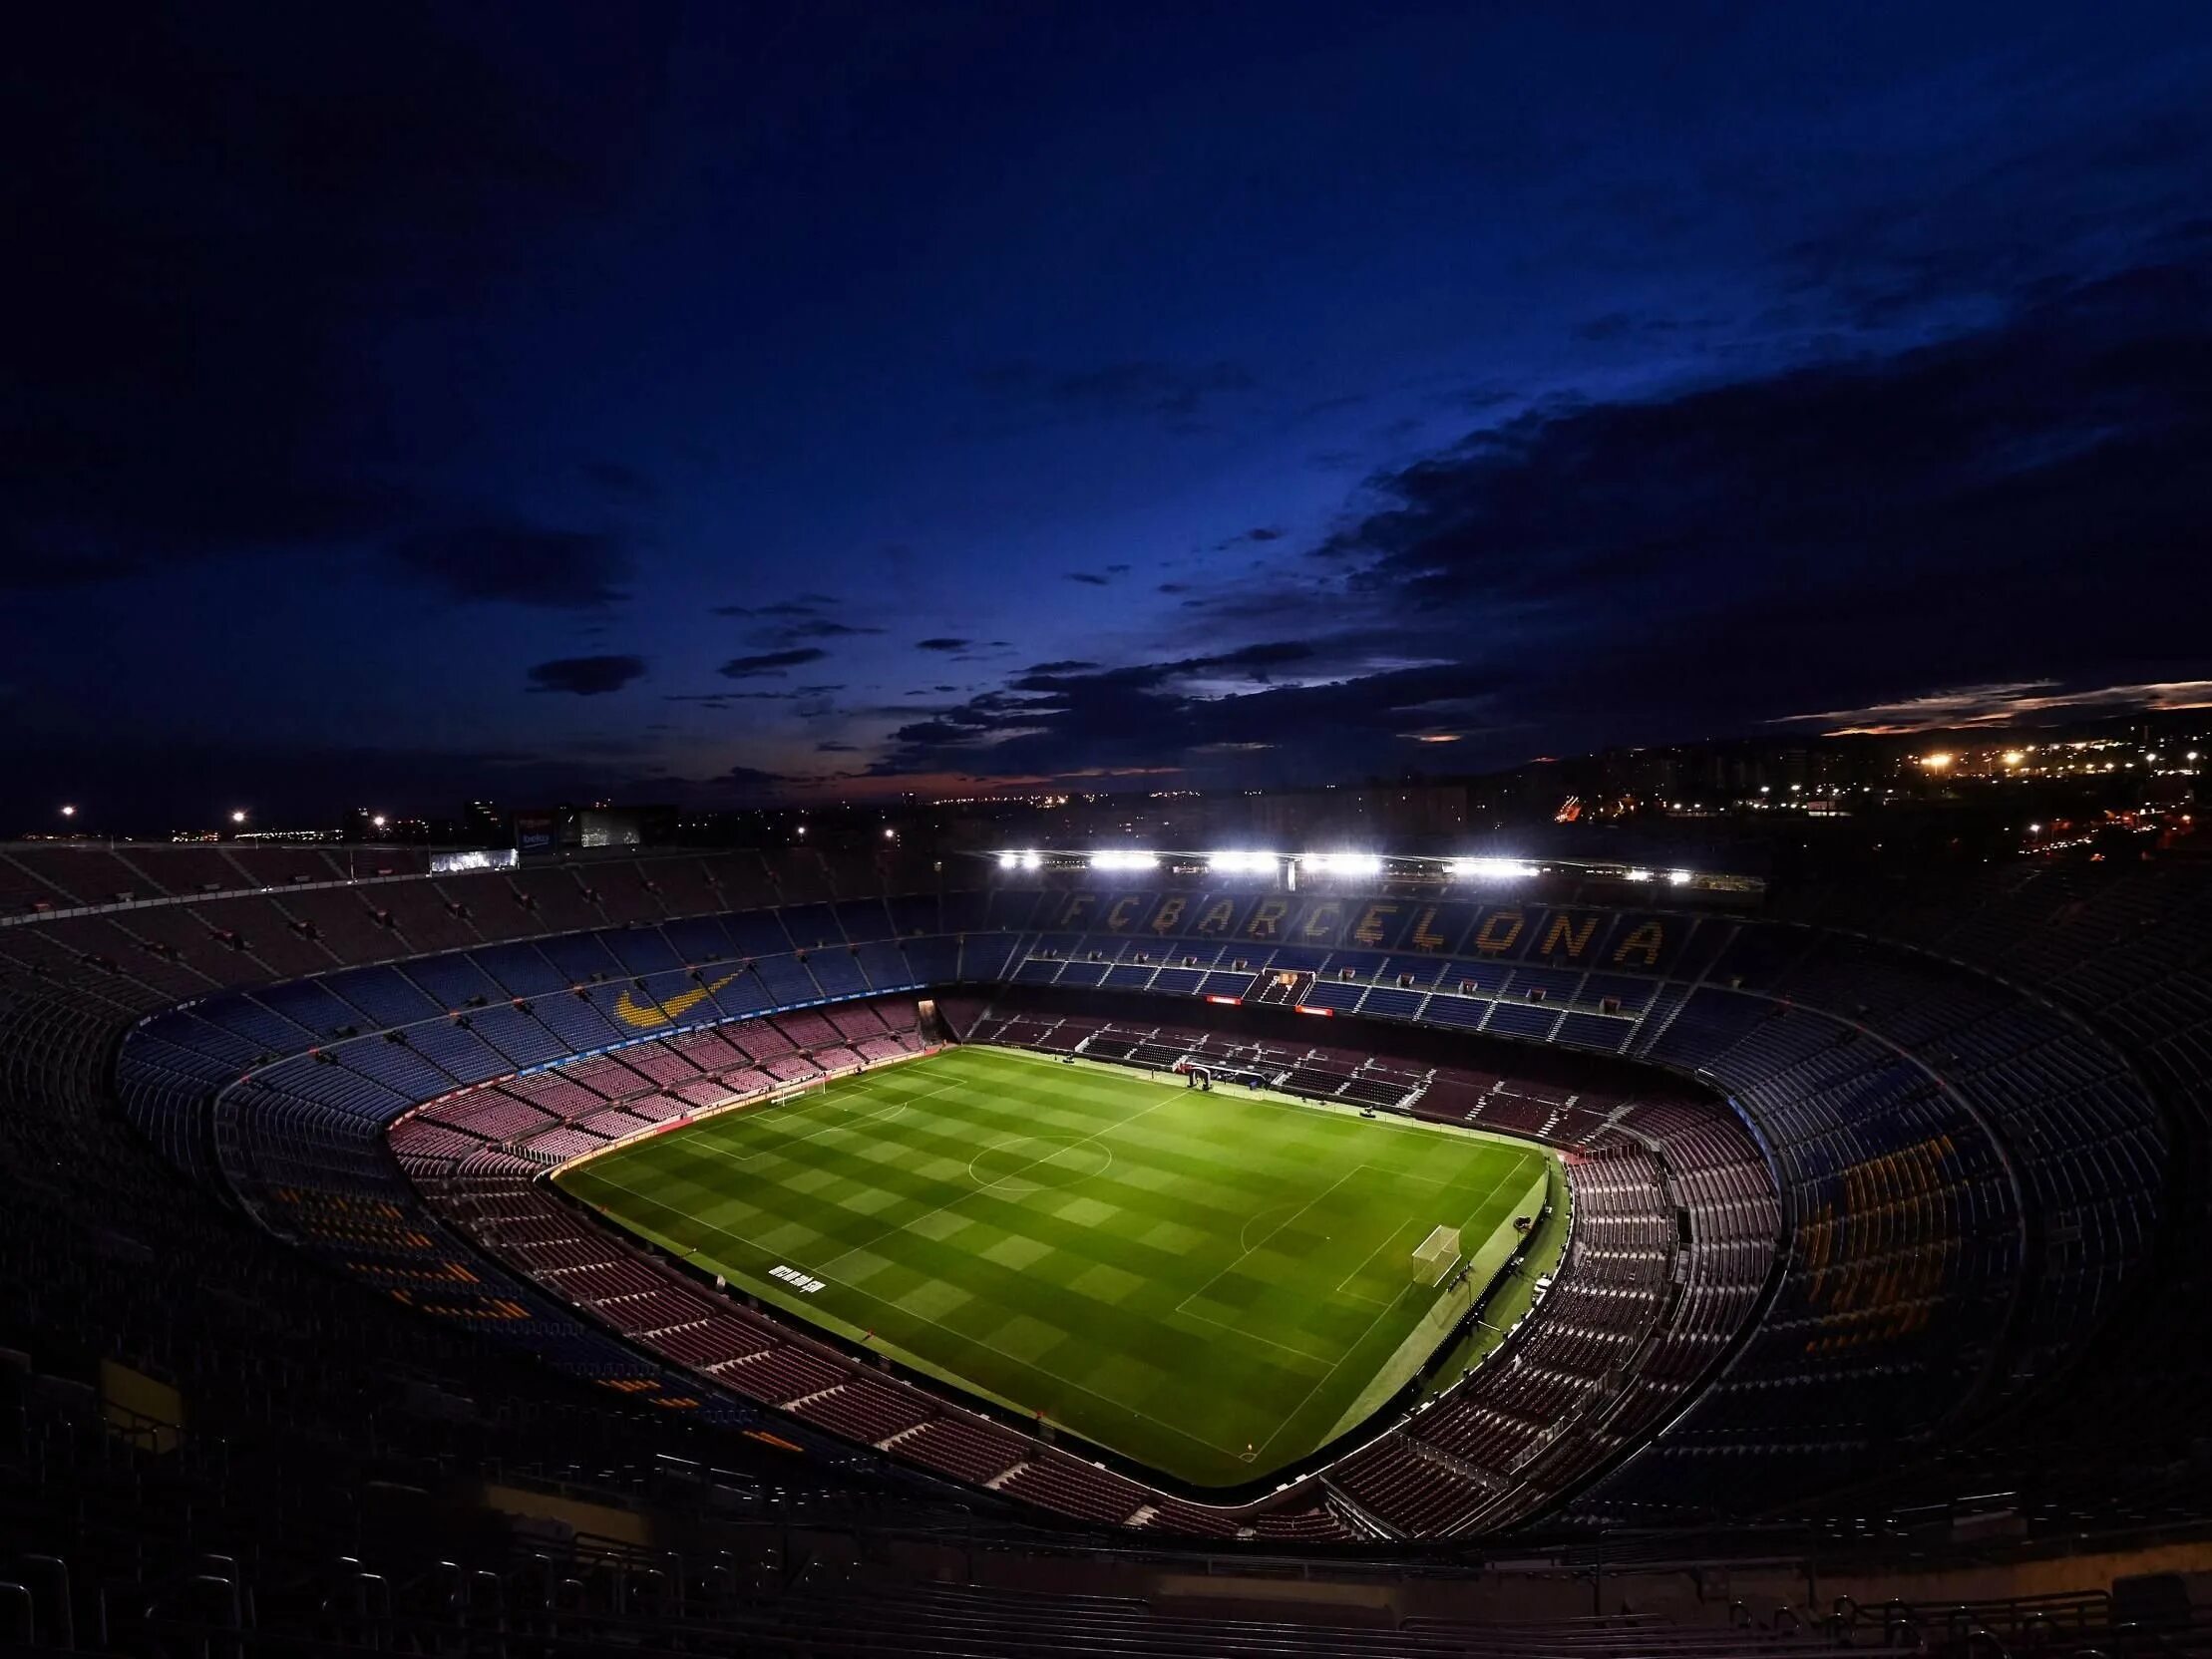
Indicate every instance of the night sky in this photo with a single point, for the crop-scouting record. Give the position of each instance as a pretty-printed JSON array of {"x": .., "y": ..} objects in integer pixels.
[{"x": 737, "y": 403}]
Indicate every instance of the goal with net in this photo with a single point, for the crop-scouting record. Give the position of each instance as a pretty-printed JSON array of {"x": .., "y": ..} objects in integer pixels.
[{"x": 1437, "y": 1255}]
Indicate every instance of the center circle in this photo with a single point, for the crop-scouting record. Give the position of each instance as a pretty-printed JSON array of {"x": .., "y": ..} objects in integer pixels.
[{"x": 1037, "y": 1162}]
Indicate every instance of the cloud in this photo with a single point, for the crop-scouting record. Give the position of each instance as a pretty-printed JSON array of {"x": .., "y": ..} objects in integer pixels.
[
  {"x": 1856, "y": 534},
  {"x": 519, "y": 565},
  {"x": 2003, "y": 705},
  {"x": 814, "y": 628},
  {"x": 830, "y": 746},
  {"x": 586, "y": 676},
  {"x": 1176, "y": 392},
  {"x": 770, "y": 662},
  {"x": 1838, "y": 537},
  {"x": 1089, "y": 579},
  {"x": 1258, "y": 533},
  {"x": 943, "y": 643},
  {"x": 802, "y": 605},
  {"x": 1144, "y": 717}
]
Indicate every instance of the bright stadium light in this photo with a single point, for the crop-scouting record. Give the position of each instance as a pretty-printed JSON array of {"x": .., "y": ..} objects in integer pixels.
[
  {"x": 1008, "y": 860},
  {"x": 1677, "y": 879},
  {"x": 1637, "y": 875},
  {"x": 1342, "y": 863},
  {"x": 1123, "y": 857},
  {"x": 1241, "y": 864},
  {"x": 1489, "y": 870},
  {"x": 1028, "y": 860}
]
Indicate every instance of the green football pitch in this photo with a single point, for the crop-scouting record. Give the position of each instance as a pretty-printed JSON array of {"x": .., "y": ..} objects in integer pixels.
[{"x": 1213, "y": 1285}]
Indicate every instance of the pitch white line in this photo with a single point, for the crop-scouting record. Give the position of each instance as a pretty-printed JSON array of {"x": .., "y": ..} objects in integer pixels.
[{"x": 1269, "y": 1233}]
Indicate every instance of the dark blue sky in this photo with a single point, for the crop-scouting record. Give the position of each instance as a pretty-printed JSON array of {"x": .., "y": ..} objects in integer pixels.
[{"x": 723, "y": 402}]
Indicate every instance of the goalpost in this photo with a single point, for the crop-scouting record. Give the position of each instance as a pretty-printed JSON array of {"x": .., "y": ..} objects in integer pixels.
[{"x": 1437, "y": 1255}]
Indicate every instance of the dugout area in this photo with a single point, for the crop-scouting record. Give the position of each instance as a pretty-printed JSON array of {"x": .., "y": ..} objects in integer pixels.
[{"x": 1212, "y": 1285}]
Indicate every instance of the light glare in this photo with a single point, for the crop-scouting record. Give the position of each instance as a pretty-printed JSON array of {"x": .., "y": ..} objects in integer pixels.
[
  {"x": 1122, "y": 858},
  {"x": 1342, "y": 863},
  {"x": 1490, "y": 869},
  {"x": 1241, "y": 864}
]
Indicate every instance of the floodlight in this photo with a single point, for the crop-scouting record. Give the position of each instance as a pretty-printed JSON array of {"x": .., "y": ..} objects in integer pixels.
[
  {"x": 1122, "y": 858},
  {"x": 1678, "y": 877},
  {"x": 1342, "y": 863},
  {"x": 1489, "y": 870},
  {"x": 1241, "y": 864}
]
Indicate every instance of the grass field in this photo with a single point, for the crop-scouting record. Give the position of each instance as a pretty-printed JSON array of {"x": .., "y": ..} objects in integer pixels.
[{"x": 1211, "y": 1284}]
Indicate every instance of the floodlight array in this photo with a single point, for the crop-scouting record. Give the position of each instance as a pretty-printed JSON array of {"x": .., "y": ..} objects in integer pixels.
[
  {"x": 1019, "y": 861},
  {"x": 1489, "y": 870},
  {"x": 1123, "y": 857},
  {"x": 1342, "y": 864},
  {"x": 1243, "y": 863}
]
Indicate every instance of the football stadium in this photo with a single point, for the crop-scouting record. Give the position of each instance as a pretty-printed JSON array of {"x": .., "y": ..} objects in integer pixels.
[{"x": 960, "y": 1252}]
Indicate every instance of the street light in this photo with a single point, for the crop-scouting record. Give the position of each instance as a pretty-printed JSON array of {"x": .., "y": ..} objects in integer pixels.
[
  {"x": 69, "y": 811},
  {"x": 238, "y": 816},
  {"x": 377, "y": 823}
]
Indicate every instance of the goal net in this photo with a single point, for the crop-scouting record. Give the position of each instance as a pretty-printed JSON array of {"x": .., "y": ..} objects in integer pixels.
[{"x": 1437, "y": 1255}]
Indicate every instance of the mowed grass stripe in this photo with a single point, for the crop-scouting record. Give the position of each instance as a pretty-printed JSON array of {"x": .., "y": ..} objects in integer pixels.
[{"x": 1177, "y": 1275}]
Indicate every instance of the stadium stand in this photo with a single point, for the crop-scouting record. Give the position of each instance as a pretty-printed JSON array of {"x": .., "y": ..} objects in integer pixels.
[{"x": 1874, "y": 1190}]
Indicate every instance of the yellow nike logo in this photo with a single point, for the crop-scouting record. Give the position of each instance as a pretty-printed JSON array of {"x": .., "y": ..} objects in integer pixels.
[{"x": 669, "y": 1008}]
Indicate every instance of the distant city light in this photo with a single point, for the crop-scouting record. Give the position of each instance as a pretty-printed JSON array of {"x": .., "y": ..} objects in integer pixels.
[
  {"x": 1637, "y": 875},
  {"x": 1678, "y": 877},
  {"x": 69, "y": 811},
  {"x": 2035, "y": 828},
  {"x": 1123, "y": 857},
  {"x": 1241, "y": 864},
  {"x": 1342, "y": 864},
  {"x": 238, "y": 816},
  {"x": 1489, "y": 870},
  {"x": 377, "y": 822},
  {"x": 889, "y": 834},
  {"x": 1937, "y": 762},
  {"x": 2013, "y": 757}
]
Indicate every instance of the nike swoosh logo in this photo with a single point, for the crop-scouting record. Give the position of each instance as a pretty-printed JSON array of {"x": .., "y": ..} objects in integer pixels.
[{"x": 629, "y": 1013}]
